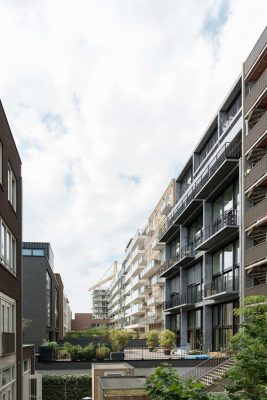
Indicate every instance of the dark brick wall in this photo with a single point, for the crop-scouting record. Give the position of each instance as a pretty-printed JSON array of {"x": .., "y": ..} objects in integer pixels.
[{"x": 10, "y": 284}]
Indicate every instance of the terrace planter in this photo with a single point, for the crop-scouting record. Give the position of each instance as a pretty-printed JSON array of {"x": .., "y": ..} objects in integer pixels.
[
  {"x": 46, "y": 354},
  {"x": 117, "y": 355}
]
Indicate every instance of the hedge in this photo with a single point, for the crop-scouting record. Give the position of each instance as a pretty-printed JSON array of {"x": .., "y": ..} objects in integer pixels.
[{"x": 66, "y": 387}]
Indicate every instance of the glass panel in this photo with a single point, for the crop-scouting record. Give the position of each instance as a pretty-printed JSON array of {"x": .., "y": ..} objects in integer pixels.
[
  {"x": 217, "y": 208},
  {"x": 26, "y": 252},
  {"x": 217, "y": 262},
  {"x": 228, "y": 256},
  {"x": 38, "y": 252},
  {"x": 228, "y": 199}
]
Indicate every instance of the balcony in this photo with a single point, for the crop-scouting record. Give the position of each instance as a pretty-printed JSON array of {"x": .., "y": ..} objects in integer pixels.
[
  {"x": 219, "y": 231},
  {"x": 257, "y": 134},
  {"x": 137, "y": 310},
  {"x": 256, "y": 53},
  {"x": 187, "y": 254},
  {"x": 156, "y": 245},
  {"x": 137, "y": 282},
  {"x": 222, "y": 287},
  {"x": 256, "y": 95},
  {"x": 257, "y": 175},
  {"x": 220, "y": 167},
  {"x": 256, "y": 255},
  {"x": 167, "y": 229},
  {"x": 151, "y": 269},
  {"x": 157, "y": 281},
  {"x": 183, "y": 301},
  {"x": 8, "y": 343},
  {"x": 150, "y": 230},
  {"x": 166, "y": 207},
  {"x": 260, "y": 290},
  {"x": 168, "y": 269},
  {"x": 151, "y": 319},
  {"x": 154, "y": 300},
  {"x": 257, "y": 215},
  {"x": 138, "y": 295}
]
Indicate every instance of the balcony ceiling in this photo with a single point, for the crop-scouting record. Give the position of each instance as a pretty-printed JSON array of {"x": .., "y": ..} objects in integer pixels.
[
  {"x": 218, "y": 239},
  {"x": 225, "y": 173}
]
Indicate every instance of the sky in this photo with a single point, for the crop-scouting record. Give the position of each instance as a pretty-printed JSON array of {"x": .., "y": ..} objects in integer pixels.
[{"x": 106, "y": 99}]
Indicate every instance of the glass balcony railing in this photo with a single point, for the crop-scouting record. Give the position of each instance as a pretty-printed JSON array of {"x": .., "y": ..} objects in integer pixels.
[
  {"x": 228, "y": 284},
  {"x": 186, "y": 299}
]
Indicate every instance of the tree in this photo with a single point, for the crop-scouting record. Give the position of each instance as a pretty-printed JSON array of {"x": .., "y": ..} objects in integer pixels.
[
  {"x": 249, "y": 374},
  {"x": 165, "y": 384}
]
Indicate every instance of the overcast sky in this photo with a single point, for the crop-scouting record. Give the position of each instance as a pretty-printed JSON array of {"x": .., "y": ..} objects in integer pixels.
[{"x": 106, "y": 99}]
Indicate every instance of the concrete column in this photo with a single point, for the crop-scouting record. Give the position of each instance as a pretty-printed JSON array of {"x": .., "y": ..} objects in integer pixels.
[
  {"x": 207, "y": 217},
  {"x": 207, "y": 328},
  {"x": 183, "y": 331}
]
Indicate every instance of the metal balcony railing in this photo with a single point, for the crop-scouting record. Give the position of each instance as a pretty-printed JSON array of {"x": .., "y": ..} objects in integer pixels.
[
  {"x": 223, "y": 284},
  {"x": 256, "y": 254},
  {"x": 8, "y": 343},
  {"x": 256, "y": 214},
  {"x": 260, "y": 290},
  {"x": 256, "y": 132},
  {"x": 229, "y": 218},
  {"x": 256, "y": 173},
  {"x": 256, "y": 92},
  {"x": 256, "y": 51},
  {"x": 228, "y": 151},
  {"x": 178, "y": 299}
]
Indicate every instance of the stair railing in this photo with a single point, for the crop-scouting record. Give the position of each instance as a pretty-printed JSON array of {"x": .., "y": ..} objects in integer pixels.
[{"x": 206, "y": 366}]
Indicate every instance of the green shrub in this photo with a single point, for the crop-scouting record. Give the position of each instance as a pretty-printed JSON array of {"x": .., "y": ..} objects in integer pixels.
[
  {"x": 118, "y": 339},
  {"x": 152, "y": 338},
  {"x": 167, "y": 339},
  {"x": 66, "y": 387},
  {"x": 102, "y": 352}
]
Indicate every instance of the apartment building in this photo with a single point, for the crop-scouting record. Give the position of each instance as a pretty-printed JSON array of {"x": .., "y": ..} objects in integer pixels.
[
  {"x": 64, "y": 310},
  {"x": 153, "y": 317},
  {"x": 10, "y": 264},
  {"x": 40, "y": 284},
  {"x": 255, "y": 169},
  {"x": 100, "y": 298},
  {"x": 201, "y": 235},
  {"x": 136, "y": 294}
]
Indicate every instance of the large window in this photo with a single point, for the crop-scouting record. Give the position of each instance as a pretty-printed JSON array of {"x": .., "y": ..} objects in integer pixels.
[
  {"x": 200, "y": 157},
  {"x": 228, "y": 115},
  {"x": 186, "y": 181},
  {"x": 195, "y": 334},
  {"x": 7, "y": 318},
  {"x": 1, "y": 163},
  {"x": 12, "y": 187},
  {"x": 224, "y": 325},
  {"x": 194, "y": 283},
  {"x": 33, "y": 252},
  {"x": 7, "y": 248},
  {"x": 226, "y": 201},
  {"x": 48, "y": 299},
  {"x": 225, "y": 268}
]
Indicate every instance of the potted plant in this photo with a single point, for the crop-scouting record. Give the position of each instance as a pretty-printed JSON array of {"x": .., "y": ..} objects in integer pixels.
[
  {"x": 167, "y": 341},
  {"x": 118, "y": 339},
  {"x": 102, "y": 352},
  {"x": 152, "y": 339}
]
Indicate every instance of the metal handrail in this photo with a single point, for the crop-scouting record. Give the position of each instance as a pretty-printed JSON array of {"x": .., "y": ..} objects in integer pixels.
[{"x": 211, "y": 363}]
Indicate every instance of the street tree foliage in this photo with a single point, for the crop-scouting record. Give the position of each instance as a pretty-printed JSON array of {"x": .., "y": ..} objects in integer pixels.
[{"x": 248, "y": 376}]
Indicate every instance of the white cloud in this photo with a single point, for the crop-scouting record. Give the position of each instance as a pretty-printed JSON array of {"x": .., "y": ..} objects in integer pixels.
[{"x": 106, "y": 99}]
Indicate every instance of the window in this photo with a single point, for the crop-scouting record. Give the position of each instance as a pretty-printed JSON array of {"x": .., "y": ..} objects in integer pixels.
[
  {"x": 1, "y": 163},
  {"x": 186, "y": 181},
  {"x": 7, "y": 383},
  {"x": 33, "y": 252},
  {"x": 12, "y": 187},
  {"x": 200, "y": 157},
  {"x": 7, "y": 248},
  {"x": 48, "y": 300},
  {"x": 7, "y": 317}
]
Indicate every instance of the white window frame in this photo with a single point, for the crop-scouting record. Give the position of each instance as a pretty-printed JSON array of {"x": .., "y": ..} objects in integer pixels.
[
  {"x": 12, "y": 187},
  {"x": 10, "y": 386},
  {"x": 7, "y": 305},
  {"x": 8, "y": 247}
]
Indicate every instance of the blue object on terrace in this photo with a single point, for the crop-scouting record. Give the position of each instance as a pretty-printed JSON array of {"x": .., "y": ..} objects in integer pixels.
[{"x": 197, "y": 357}]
